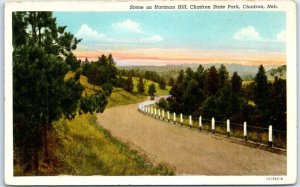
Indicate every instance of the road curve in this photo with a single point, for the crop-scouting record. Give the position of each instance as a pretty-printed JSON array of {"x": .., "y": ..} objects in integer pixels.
[{"x": 189, "y": 152}]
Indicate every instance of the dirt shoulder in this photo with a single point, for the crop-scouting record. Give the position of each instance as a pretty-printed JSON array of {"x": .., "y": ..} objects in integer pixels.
[{"x": 190, "y": 152}]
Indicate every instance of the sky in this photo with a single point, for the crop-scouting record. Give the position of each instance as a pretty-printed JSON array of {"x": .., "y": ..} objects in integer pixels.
[{"x": 179, "y": 37}]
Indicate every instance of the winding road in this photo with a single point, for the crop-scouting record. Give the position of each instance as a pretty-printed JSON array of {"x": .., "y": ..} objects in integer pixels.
[{"x": 189, "y": 152}]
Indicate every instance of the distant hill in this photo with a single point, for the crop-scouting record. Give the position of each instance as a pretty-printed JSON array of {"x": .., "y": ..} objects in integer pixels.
[
  {"x": 278, "y": 71},
  {"x": 247, "y": 72}
]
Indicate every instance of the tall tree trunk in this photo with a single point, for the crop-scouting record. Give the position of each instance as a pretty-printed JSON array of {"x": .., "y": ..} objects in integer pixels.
[
  {"x": 34, "y": 158},
  {"x": 45, "y": 143}
]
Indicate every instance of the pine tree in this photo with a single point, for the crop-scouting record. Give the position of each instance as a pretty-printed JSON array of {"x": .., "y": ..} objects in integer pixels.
[
  {"x": 152, "y": 91},
  {"x": 211, "y": 82},
  {"x": 176, "y": 100},
  {"x": 236, "y": 83},
  {"x": 41, "y": 94},
  {"x": 223, "y": 76},
  {"x": 279, "y": 104},
  {"x": 171, "y": 81},
  {"x": 162, "y": 84},
  {"x": 129, "y": 85},
  {"x": 141, "y": 86},
  {"x": 262, "y": 95}
]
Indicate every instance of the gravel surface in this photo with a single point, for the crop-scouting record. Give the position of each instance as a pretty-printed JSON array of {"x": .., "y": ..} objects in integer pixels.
[{"x": 189, "y": 152}]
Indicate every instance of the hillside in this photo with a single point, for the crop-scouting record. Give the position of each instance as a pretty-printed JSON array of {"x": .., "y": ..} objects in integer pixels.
[
  {"x": 82, "y": 147},
  {"x": 122, "y": 97},
  {"x": 148, "y": 83}
]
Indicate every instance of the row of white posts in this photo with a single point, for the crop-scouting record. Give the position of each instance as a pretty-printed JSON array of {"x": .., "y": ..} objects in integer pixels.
[{"x": 146, "y": 108}]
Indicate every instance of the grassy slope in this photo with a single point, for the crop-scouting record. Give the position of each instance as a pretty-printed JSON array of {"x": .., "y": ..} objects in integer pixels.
[
  {"x": 87, "y": 149},
  {"x": 82, "y": 147},
  {"x": 148, "y": 83},
  {"x": 89, "y": 89},
  {"x": 122, "y": 97}
]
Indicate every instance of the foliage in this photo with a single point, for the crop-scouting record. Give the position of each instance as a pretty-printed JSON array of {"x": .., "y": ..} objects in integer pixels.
[
  {"x": 42, "y": 56},
  {"x": 145, "y": 74},
  {"x": 171, "y": 81},
  {"x": 141, "y": 86},
  {"x": 236, "y": 83},
  {"x": 279, "y": 72},
  {"x": 163, "y": 103},
  {"x": 223, "y": 76},
  {"x": 128, "y": 85},
  {"x": 152, "y": 90},
  {"x": 162, "y": 84},
  {"x": 211, "y": 82},
  {"x": 262, "y": 99},
  {"x": 40, "y": 95},
  {"x": 101, "y": 71},
  {"x": 211, "y": 93}
]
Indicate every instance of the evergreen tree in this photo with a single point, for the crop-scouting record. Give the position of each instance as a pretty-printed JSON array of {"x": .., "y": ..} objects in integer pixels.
[
  {"x": 176, "y": 99},
  {"x": 193, "y": 98},
  {"x": 200, "y": 75},
  {"x": 42, "y": 55},
  {"x": 223, "y": 76},
  {"x": 171, "y": 81},
  {"x": 262, "y": 95},
  {"x": 162, "y": 84},
  {"x": 236, "y": 83},
  {"x": 211, "y": 82},
  {"x": 141, "y": 86},
  {"x": 129, "y": 85},
  {"x": 279, "y": 104},
  {"x": 152, "y": 90}
]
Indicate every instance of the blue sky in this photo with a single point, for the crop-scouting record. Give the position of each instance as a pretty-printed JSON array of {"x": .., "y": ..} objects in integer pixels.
[{"x": 204, "y": 30}]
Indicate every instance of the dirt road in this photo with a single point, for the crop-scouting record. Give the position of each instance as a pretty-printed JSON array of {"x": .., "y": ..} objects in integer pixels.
[{"x": 190, "y": 152}]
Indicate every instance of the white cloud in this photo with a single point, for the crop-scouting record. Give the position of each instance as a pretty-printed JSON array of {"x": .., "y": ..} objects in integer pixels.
[
  {"x": 153, "y": 38},
  {"x": 93, "y": 38},
  {"x": 280, "y": 37},
  {"x": 88, "y": 34},
  {"x": 128, "y": 25},
  {"x": 247, "y": 34}
]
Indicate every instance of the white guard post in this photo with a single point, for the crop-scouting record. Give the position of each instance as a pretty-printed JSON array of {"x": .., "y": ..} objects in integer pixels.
[
  {"x": 245, "y": 130},
  {"x": 181, "y": 120},
  {"x": 158, "y": 113},
  {"x": 174, "y": 116},
  {"x": 270, "y": 135},
  {"x": 228, "y": 127},
  {"x": 213, "y": 125},
  {"x": 200, "y": 123}
]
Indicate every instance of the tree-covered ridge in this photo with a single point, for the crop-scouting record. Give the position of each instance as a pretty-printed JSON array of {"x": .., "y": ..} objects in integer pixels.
[
  {"x": 212, "y": 92},
  {"x": 145, "y": 74}
]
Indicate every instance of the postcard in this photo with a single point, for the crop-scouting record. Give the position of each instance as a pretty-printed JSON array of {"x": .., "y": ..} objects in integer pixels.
[{"x": 150, "y": 93}]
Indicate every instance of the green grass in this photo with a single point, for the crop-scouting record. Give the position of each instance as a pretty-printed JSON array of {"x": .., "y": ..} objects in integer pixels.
[
  {"x": 81, "y": 147},
  {"x": 85, "y": 148},
  {"x": 89, "y": 89},
  {"x": 122, "y": 97},
  {"x": 247, "y": 82},
  {"x": 147, "y": 83}
]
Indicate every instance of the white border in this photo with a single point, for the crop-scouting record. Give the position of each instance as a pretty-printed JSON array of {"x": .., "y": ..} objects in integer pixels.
[{"x": 288, "y": 6}]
